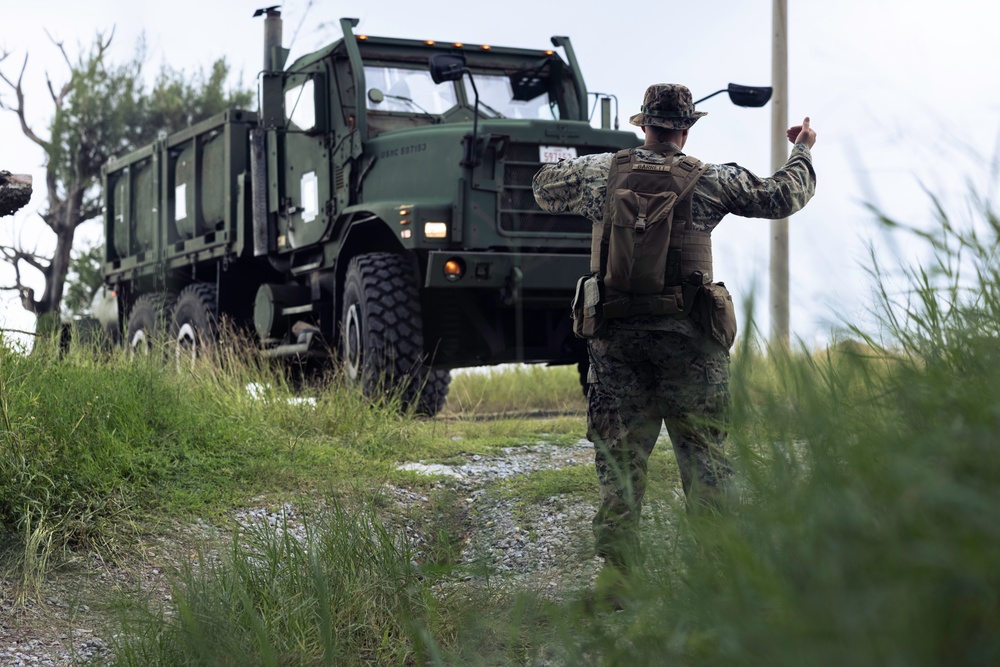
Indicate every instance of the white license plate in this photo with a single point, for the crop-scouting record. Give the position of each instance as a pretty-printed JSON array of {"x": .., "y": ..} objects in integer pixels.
[{"x": 555, "y": 153}]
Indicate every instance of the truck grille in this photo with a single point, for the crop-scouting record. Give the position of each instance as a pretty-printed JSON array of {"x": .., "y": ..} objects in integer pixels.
[{"x": 519, "y": 214}]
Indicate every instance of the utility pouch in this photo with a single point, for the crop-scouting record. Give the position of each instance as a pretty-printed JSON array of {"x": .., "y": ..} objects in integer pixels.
[
  {"x": 639, "y": 240},
  {"x": 715, "y": 312},
  {"x": 588, "y": 308}
]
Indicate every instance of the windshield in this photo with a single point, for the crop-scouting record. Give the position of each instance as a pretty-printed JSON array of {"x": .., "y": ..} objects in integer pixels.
[
  {"x": 407, "y": 91},
  {"x": 496, "y": 99}
]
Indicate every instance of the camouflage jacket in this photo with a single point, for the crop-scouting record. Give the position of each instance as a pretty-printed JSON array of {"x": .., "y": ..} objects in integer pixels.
[{"x": 578, "y": 186}]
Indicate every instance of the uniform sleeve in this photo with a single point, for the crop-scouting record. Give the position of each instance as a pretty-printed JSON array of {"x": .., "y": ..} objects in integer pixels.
[
  {"x": 576, "y": 186},
  {"x": 729, "y": 188}
]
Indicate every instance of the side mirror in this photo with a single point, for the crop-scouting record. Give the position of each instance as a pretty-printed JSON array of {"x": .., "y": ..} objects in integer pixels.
[
  {"x": 451, "y": 67},
  {"x": 749, "y": 96},
  {"x": 743, "y": 96},
  {"x": 447, "y": 67}
]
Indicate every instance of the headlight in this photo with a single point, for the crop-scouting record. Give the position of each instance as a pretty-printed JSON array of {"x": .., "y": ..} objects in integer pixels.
[{"x": 436, "y": 230}]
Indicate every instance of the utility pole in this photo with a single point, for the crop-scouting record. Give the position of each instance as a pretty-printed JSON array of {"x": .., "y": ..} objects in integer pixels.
[{"x": 779, "y": 154}]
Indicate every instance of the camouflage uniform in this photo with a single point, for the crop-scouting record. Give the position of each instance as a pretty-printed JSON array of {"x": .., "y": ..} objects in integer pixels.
[{"x": 645, "y": 370}]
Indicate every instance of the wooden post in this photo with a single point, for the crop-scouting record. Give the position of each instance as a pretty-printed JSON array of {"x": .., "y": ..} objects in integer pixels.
[{"x": 779, "y": 155}]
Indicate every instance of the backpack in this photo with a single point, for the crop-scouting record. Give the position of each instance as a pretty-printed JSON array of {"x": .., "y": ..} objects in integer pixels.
[
  {"x": 646, "y": 258},
  {"x": 643, "y": 198}
]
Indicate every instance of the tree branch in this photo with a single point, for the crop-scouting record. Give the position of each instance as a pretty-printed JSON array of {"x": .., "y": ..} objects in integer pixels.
[
  {"x": 57, "y": 99},
  {"x": 14, "y": 257},
  {"x": 19, "y": 108},
  {"x": 90, "y": 211}
]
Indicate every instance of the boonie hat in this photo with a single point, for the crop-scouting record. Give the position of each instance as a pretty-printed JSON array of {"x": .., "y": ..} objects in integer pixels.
[{"x": 667, "y": 105}]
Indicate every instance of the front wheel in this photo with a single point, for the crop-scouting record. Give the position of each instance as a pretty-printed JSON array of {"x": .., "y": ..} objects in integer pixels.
[{"x": 382, "y": 343}]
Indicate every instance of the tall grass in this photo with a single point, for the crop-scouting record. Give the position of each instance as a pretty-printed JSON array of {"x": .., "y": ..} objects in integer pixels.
[
  {"x": 96, "y": 449},
  {"x": 864, "y": 526},
  {"x": 868, "y": 527},
  {"x": 501, "y": 391},
  {"x": 342, "y": 592}
]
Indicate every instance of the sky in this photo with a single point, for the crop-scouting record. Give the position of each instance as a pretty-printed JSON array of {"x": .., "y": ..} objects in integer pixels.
[{"x": 903, "y": 96}]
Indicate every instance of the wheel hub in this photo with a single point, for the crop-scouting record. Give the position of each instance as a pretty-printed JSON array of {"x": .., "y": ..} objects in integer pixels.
[
  {"x": 352, "y": 342},
  {"x": 187, "y": 346},
  {"x": 139, "y": 344}
]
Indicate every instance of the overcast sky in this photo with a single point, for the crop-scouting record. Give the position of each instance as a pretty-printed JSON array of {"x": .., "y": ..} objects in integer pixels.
[{"x": 903, "y": 95}]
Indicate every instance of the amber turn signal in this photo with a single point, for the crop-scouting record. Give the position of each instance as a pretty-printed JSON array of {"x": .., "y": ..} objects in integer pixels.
[{"x": 454, "y": 269}]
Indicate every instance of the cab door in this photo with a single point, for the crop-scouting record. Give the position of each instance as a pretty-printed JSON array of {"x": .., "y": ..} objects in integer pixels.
[{"x": 306, "y": 205}]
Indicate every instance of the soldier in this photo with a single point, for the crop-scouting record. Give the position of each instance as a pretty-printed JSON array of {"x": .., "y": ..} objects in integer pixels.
[{"x": 662, "y": 351}]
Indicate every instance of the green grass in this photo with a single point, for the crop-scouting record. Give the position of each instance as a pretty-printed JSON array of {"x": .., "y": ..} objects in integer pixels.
[
  {"x": 865, "y": 526},
  {"x": 90, "y": 448},
  {"x": 530, "y": 388},
  {"x": 531, "y": 489},
  {"x": 345, "y": 594}
]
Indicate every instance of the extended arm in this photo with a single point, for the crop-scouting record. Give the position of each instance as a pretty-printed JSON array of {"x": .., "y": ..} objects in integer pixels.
[{"x": 574, "y": 186}]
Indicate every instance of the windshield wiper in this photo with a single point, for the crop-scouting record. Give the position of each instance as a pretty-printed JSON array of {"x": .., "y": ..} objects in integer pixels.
[
  {"x": 491, "y": 109},
  {"x": 408, "y": 101}
]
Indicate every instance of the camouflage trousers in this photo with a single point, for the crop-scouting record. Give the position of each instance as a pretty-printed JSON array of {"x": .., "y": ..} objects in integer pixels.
[{"x": 639, "y": 380}]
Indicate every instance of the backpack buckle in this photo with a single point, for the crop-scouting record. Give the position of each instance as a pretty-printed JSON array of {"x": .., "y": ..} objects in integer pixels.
[{"x": 696, "y": 278}]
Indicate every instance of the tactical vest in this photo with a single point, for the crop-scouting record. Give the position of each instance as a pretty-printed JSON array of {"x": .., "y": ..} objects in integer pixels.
[{"x": 650, "y": 258}]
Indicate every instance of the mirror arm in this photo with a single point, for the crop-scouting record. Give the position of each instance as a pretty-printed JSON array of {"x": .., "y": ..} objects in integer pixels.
[
  {"x": 471, "y": 159},
  {"x": 712, "y": 95}
]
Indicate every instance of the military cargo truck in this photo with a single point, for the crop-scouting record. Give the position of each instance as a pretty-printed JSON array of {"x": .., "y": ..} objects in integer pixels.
[{"x": 366, "y": 214}]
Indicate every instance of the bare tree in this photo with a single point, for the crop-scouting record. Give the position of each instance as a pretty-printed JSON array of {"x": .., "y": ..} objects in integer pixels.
[
  {"x": 102, "y": 110},
  {"x": 66, "y": 185}
]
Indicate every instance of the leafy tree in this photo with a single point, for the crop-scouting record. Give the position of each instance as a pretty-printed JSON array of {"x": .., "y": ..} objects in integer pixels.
[
  {"x": 104, "y": 109},
  {"x": 83, "y": 279}
]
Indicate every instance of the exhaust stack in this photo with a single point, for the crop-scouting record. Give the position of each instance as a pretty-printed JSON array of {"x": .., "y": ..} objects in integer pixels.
[
  {"x": 272, "y": 37},
  {"x": 272, "y": 95}
]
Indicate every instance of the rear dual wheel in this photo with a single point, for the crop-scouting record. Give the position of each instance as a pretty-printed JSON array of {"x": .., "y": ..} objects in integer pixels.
[
  {"x": 194, "y": 323},
  {"x": 188, "y": 319},
  {"x": 147, "y": 323}
]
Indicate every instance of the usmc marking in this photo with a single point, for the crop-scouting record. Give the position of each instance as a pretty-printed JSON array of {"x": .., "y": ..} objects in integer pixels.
[{"x": 402, "y": 150}]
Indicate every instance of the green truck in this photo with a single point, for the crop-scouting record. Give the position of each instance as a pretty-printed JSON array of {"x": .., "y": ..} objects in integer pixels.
[{"x": 375, "y": 212}]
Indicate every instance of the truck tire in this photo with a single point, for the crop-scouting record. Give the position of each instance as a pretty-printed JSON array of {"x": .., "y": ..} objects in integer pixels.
[
  {"x": 194, "y": 324},
  {"x": 382, "y": 343},
  {"x": 147, "y": 323}
]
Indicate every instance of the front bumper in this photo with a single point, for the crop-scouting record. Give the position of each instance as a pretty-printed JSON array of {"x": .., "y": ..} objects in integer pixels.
[{"x": 536, "y": 271}]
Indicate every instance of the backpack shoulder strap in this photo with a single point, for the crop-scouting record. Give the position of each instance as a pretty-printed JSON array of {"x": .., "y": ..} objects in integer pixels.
[
  {"x": 602, "y": 230},
  {"x": 686, "y": 173}
]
